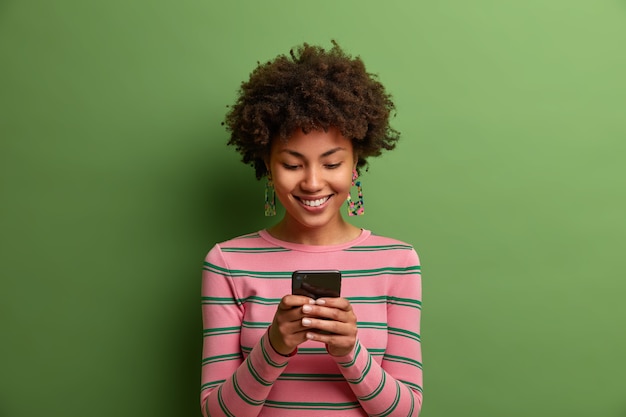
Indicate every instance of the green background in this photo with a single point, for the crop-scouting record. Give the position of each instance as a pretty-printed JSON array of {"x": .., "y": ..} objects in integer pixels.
[{"x": 509, "y": 180}]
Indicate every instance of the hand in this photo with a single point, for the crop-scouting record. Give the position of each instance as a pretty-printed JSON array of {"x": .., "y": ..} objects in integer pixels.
[
  {"x": 340, "y": 324},
  {"x": 287, "y": 332}
]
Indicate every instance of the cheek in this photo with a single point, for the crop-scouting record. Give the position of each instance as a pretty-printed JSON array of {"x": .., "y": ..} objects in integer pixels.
[
  {"x": 346, "y": 183},
  {"x": 284, "y": 184},
  {"x": 280, "y": 187}
]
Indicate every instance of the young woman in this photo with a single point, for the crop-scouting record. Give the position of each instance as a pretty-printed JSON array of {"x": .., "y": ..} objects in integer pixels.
[{"x": 308, "y": 122}]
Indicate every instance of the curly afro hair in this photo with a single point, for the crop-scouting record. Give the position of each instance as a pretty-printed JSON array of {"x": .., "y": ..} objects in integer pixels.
[{"x": 312, "y": 89}]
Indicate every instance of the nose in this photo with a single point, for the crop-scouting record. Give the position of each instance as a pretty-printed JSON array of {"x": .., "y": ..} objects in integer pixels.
[{"x": 312, "y": 181}]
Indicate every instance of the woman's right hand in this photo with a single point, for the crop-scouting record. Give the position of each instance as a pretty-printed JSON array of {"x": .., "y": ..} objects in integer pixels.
[{"x": 286, "y": 331}]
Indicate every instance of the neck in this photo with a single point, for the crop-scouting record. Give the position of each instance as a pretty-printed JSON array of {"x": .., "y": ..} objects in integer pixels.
[{"x": 330, "y": 235}]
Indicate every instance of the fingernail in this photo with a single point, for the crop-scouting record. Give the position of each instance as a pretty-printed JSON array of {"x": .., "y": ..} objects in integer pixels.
[
  {"x": 306, "y": 322},
  {"x": 309, "y": 336},
  {"x": 320, "y": 302},
  {"x": 311, "y": 301},
  {"x": 307, "y": 308}
]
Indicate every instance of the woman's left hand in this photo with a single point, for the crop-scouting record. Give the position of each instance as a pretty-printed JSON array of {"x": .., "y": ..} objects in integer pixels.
[{"x": 335, "y": 317}]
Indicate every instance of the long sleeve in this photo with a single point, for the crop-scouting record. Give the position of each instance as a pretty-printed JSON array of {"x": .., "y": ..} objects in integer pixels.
[
  {"x": 393, "y": 387},
  {"x": 233, "y": 384}
]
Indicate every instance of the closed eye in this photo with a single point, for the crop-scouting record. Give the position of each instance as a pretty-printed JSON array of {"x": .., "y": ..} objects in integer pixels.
[
  {"x": 290, "y": 167},
  {"x": 333, "y": 166}
]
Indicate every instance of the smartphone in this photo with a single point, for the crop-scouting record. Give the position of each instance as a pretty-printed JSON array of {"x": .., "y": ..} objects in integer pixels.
[{"x": 316, "y": 284}]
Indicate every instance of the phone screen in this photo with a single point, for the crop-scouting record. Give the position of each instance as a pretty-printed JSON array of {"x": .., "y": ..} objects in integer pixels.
[{"x": 316, "y": 284}]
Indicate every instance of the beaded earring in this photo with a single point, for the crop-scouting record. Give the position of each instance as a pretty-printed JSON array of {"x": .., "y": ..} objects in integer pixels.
[
  {"x": 270, "y": 198},
  {"x": 356, "y": 208}
]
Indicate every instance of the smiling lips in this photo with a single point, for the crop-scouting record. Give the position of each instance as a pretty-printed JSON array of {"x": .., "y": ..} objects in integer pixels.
[{"x": 314, "y": 203}]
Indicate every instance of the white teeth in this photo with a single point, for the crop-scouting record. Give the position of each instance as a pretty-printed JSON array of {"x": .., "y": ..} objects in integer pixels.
[{"x": 315, "y": 203}]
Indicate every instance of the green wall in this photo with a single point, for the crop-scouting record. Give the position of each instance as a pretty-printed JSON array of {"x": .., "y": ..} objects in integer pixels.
[{"x": 509, "y": 180}]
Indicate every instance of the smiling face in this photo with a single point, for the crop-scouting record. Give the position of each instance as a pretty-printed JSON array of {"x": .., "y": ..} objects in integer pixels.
[{"x": 312, "y": 175}]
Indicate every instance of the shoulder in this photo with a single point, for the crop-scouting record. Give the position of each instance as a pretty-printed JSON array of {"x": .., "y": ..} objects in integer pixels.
[
  {"x": 240, "y": 244},
  {"x": 388, "y": 247},
  {"x": 243, "y": 241},
  {"x": 386, "y": 243},
  {"x": 384, "y": 240}
]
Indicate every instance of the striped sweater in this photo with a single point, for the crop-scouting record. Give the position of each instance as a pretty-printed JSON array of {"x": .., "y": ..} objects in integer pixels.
[{"x": 242, "y": 284}]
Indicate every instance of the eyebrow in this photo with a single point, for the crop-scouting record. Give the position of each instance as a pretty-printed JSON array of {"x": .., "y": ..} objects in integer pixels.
[{"x": 325, "y": 154}]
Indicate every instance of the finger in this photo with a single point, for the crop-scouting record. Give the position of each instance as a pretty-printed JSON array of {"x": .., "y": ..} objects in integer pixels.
[
  {"x": 335, "y": 345},
  {"x": 329, "y": 313},
  {"x": 290, "y": 315},
  {"x": 339, "y": 302},
  {"x": 290, "y": 301},
  {"x": 286, "y": 337},
  {"x": 329, "y": 326},
  {"x": 293, "y": 315},
  {"x": 329, "y": 339}
]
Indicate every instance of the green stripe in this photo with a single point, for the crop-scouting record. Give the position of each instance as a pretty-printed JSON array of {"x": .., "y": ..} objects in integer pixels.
[
  {"x": 379, "y": 299},
  {"x": 371, "y": 325},
  {"x": 357, "y": 273},
  {"x": 386, "y": 299},
  {"x": 412, "y": 404},
  {"x": 377, "y": 391},
  {"x": 221, "y": 331},
  {"x": 255, "y": 324},
  {"x": 378, "y": 248},
  {"x": 253, "y": 299},
  {"x": 320, "y": 406},
  {"x": 267, "y": 358},
  {"x": 311, "y": 377},
  {"x": 312, "y": 351},
  {"x": 220, "y": 301},
  {"x": 256, "y": 375},
  {"x": 412, "y": 385},
  {"x": 393, "y": 405},
  {"x": 254, "y": 250},
  {"x": 243, "y": 273},
  {"x": 402, "y": 301},
  {"x": 243, "y": 395},
  {"x": 365, "y": 372},
  {"x": 212, "y": 384},
  {"x": 396, "y": 331},
  {"x": 221, "y": 403},
  {"x": 221, "y": 358},
  {"x": 353, "y": 361},
  {"x": 402, "y": 359},
  {"x": 318, "y": 351}
]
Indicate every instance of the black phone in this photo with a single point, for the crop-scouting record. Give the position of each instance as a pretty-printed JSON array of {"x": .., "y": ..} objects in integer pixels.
[{"x": 316, "y": 284}]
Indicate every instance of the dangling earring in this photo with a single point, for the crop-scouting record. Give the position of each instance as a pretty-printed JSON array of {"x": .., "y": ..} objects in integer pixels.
[
  {"x": 270, "y": 198},
  {"x": 356, "y": 209}
]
